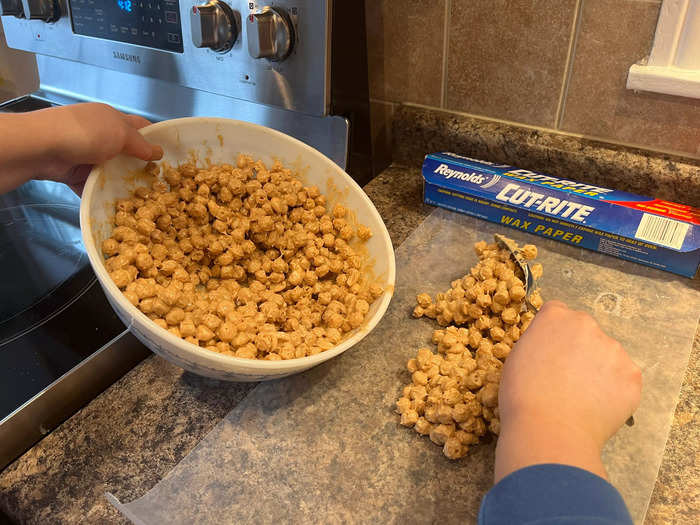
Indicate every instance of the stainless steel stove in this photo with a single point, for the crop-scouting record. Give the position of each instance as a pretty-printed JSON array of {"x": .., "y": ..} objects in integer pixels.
[{"x": 298, "y": 66}]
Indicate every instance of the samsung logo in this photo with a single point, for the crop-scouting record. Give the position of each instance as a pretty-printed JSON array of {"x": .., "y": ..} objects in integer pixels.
[{"x": 126, "y": 57}]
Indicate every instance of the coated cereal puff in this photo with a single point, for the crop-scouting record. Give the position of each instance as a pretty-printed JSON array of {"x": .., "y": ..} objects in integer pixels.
[
  {"x": 242, "y": 259},
  {"x": 453, "y": 398}
]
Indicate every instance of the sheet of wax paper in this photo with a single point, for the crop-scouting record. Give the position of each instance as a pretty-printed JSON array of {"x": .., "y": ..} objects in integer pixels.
[{"x": 325, "y": 446}]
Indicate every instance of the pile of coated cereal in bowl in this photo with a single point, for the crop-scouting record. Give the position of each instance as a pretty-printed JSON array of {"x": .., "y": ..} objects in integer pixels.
[
  {"x": 242, "y": 259},
  {"x": 453, "y": 396}
]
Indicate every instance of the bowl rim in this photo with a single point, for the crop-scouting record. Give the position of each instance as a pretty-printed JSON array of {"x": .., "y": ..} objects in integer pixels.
[{"x": 258, "y": 365}]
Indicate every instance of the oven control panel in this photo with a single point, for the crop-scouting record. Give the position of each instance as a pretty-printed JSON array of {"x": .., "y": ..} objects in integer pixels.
[
  {"x": 275, "y": 53},
  {"x": 149, "y": 23}
]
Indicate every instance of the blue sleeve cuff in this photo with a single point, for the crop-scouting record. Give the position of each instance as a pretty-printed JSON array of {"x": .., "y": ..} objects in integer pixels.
[{"x": 551, "y": 493}]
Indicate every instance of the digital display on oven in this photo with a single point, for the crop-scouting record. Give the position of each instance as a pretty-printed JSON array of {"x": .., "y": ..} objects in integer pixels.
[{"x": 150, "y": 23}]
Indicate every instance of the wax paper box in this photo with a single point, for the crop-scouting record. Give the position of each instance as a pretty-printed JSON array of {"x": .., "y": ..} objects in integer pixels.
[{"x": 648, "y": 231}]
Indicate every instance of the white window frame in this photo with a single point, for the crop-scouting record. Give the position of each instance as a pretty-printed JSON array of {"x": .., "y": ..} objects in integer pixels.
[{"x": 673, "y": 67}]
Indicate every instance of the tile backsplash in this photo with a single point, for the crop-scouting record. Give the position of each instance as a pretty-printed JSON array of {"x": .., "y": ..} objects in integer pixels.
[
  {"x": 555, "y": 64},
  {"x": 507, "y": 59},
  {"x": 405, "y": 50}
]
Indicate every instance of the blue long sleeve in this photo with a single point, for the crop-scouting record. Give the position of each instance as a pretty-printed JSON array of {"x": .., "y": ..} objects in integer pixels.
[{"x": 549, "y": 494}]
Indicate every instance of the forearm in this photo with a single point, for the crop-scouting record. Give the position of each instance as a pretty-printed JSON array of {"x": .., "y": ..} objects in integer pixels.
[
  {"x": 28, "y": 150},
  {"x": 527, "y": 441}
]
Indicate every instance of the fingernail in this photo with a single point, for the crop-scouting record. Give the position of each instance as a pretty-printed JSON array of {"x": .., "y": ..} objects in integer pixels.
[{"x": 157, "y": 153}]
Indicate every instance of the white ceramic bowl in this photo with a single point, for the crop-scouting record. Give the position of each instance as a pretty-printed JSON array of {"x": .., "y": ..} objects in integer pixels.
[{"x": 220, "y": 140}]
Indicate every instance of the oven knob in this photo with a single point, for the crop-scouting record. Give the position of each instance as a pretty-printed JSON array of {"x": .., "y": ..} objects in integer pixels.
[
  {"x": 270, "y": 34},
  {"x": 214, "y": 26},
  {"x": 11, "y": 8},
  {"x": 44, "y": 10}
]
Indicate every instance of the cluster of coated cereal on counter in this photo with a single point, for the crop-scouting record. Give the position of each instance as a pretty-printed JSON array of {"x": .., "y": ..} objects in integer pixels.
[
  {"x": 243, "y": 260},
  {"x": 453, "y": 397}
]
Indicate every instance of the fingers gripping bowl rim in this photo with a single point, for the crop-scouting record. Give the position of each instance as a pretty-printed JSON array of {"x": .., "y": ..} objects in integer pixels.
[{"x": 219, "y": 140}]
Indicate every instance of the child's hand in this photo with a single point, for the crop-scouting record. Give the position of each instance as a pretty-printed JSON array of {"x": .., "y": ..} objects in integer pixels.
[
  {"x": 83, "y": 135},
  {"x": 566, "y": 389}
]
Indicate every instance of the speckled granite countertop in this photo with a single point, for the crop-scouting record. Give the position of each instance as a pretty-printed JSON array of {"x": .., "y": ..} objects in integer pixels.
[{"x": 131, "y": 435}]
